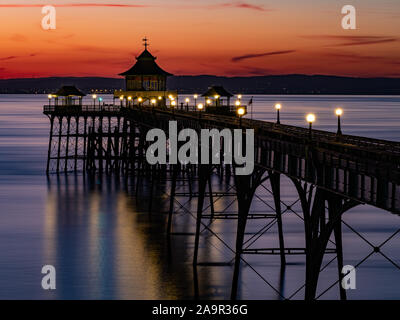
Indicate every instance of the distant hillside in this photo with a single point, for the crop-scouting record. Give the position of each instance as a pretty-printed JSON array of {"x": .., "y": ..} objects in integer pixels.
[{"x": 285, "y": 84}]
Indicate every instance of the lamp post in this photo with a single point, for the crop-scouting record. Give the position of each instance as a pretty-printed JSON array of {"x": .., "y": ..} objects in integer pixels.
[
  {"x": 140, "y": 100},
  {"x": 153, "y": 103},
  {"x": 129, "y": 101},
  {"x": 339, "y": 113},
  {"x": 187, "y": 100},
  {"x": 310, "y": 119},
  {"x": 94, "y": 99},
  {"x": 173, "y": 105},
  {"x": 49, "y": 96},
  {"x": 216, "y": 99},
  {"x": 241, "y": 112},
  {"x": 278, "y": 108},
  {"x": 200, "y": 107},
  {"x": 195, "y": 99},
  {"x": 121, "y": 99}
]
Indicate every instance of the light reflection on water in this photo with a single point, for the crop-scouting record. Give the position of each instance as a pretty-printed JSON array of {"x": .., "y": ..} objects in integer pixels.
[{"x": 105, "y": 244}]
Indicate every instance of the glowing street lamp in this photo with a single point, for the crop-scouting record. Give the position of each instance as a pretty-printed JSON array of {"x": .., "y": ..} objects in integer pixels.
[
  {"x": 216, "y": 97},
  {"x": 310, "y": 119},
  {"x": 129, "y": 100},
  {"x": 238, "y": 103},
  {"x": 241, "y": 112},
  {"x": 140, "y": 100},
  {"x": 208, "y": 101},
  {"x": 121, "y": 99},
  {"x": 339, "y": 113},
  {"x": 195, "y": 99},
  {"x": 200, "y": 108},
  {"x": 240, "y": 97},
  {"x": 94, "y": 99},
  {"x": 187, "y": 100},
  {"x": 153, "y": 102},
  {"x": 49, "y": 96},
  {"x": 278, "y": 108}
]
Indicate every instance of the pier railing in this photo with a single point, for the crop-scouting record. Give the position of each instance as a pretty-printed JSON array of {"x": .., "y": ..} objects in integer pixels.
[
  {"x": 82, "y": 108},
  {"x": 223, "y": 110}
]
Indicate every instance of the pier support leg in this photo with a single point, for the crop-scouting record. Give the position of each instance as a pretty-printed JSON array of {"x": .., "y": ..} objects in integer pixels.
[
  {"x": 318, "y": 230},
  {"x": 50, "y": 144},
  {"x": 203, "y": 173},
  {"x": 275, "y": 180},
  {"x": 60, "y": 121},
  {"x": 76, "y": 143},
  {"x": 85, "y": 138},
  {"x": 211, "y": 196},
  {"x": 172, "y": 198},
  {"x": 245, "y": 188},
  {"x": 337, "y": 231},
  {"x": 67, "y": 146}
]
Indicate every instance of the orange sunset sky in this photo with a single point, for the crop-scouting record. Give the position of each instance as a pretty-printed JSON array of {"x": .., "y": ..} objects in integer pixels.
[{"x": 192, "y": 37}]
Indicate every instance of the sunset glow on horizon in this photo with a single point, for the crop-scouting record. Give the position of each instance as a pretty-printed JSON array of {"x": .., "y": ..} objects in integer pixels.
[{"x": 223, "y": 37}]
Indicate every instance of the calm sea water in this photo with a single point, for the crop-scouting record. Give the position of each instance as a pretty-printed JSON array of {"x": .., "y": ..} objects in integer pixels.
[{"x": 105, "y": 245}]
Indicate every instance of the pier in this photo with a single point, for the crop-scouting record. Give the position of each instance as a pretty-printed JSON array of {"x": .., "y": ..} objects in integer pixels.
[{"x": 331, "y": 172}]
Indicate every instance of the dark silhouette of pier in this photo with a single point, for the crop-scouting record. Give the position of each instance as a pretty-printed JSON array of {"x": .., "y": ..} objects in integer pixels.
[{"x": 332, "y": 173}]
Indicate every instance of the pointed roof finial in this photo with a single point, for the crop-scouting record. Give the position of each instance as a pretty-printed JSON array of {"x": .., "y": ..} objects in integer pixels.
[{"x": 145, "y": 40}]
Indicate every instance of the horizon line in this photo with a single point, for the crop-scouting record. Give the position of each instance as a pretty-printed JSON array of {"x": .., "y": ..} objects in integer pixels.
[{"x": 210, "y": 75}]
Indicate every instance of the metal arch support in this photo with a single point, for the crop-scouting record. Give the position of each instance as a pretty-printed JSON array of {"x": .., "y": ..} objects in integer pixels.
[
  {"x": 245, "y": 188},
  {"x": 204, "y": 172},
  {"x": 318, "y": 229},
  {"x": 275, "y": 179}
]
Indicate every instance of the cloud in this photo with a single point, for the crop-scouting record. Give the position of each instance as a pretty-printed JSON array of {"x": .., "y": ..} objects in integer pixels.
[
  {"x": 18, "y": 38},
  {"x": 258, "y": 55},
  {"x": 117, "y": 5},
  {"x": 355, "y": 57},
  {"x": 353, "y": 40},
  {"x": 16, "y": 57},
  {"x": 240, "y": 5},
  {"x": 8, "y": 58},
  {"x": 258, "y": 71}
]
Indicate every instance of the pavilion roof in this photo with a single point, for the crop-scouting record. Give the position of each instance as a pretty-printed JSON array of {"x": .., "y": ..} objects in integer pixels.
[
  {"x": 145, "y": 65},
  {"x": 68, "y": 91},
  {"x": 217, "y": 90}
]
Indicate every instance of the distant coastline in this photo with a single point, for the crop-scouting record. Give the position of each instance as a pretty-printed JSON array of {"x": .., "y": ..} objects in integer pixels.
[{"x": 279, "y": 85}]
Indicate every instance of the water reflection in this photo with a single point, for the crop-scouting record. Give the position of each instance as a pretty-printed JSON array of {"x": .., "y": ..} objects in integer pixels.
[{"x": 105, "y": 244}]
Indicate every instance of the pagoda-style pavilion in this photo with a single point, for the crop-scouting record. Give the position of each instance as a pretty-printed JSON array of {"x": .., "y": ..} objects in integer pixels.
[
  {"x": 145, "y": 81},
  {"x": 69, "y": 95},
  {"x": 217, "y": 93}
]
